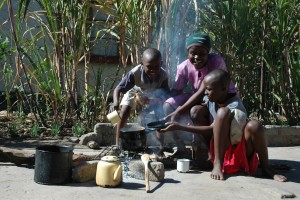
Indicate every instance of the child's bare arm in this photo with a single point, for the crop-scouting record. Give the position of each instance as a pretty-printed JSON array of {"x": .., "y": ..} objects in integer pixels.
[
  {"x": 116, "y": 96},
  {"x": 172, "y": 126}
]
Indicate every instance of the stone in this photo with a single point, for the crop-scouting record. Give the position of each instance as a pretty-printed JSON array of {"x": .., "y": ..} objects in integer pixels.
[
  {"x": 93, "y": 145},
  {"x": 137, "y": 170},
  {"x": 78, "y": 159},
  {"x": 19, "y": 157},
  {"x": 85, "y": 172},
  {"x": 84, "y": 139},
  {"x": 73, "y": 139},
  {"x": 105, "y": 133}
]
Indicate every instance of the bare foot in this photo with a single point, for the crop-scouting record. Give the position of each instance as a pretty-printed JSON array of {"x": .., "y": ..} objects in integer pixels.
[
  {"x": 217, "y": 172},
  {"x": 270, "y": 173}
]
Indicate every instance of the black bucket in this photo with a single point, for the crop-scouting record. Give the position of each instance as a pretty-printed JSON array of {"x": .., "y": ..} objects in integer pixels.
[{"x": 53, "y": 164}]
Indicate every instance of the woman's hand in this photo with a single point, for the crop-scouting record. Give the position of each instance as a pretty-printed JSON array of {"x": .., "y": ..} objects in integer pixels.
[{"x": 172, "y": 116}]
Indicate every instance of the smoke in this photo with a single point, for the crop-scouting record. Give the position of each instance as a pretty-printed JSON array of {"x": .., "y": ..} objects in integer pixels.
[
  {"x": 170, "y": 38},
  {"x": 153, "y": 111},
  {"x": 171, "y": 34}
]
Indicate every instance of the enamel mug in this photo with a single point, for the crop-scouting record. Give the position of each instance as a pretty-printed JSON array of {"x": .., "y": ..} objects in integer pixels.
[
  {"x": 183, "y": 165},
  {"x": 113, "y": 117}
]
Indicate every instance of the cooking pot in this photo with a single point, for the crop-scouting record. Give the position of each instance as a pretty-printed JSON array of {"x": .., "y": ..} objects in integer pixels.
[
  {"x": 53, "y": 164},
  {"x": 109, "y": 172},
  {"x": 133, "y": 138}
]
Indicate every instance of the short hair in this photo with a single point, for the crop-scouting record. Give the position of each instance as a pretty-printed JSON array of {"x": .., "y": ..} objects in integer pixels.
[
  {"x": 152, "y": 54},
  {"x": 219, "y": 76}
]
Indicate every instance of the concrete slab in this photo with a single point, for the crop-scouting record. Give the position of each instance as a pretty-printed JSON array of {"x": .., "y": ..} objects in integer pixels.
[
  {"x": 17, "y": 183},
  {"x": 277, "y": 136}
]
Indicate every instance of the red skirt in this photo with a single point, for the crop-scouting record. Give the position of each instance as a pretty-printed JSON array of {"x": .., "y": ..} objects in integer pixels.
[{"x": 235, "y": 158}]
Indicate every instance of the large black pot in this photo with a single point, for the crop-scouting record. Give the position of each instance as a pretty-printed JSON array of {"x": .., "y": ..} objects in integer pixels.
[
  {"x": 133, "y": 138},
  {"x": 53, "y": 164}
]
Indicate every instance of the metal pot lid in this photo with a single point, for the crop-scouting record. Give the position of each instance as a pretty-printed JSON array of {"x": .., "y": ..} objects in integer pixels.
[{"x": 110, "y": 158}]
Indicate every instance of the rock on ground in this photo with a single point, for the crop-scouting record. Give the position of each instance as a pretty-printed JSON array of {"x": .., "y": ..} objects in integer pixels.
[
  {"x": 93, "y": 145},
  {"x": 84, "y": 172},
  {"x": 137, "y": 170},
  {"x": 104, "y": 135}
]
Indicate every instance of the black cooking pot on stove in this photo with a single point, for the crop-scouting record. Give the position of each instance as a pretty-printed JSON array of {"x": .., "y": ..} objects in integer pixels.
[{"x": 133, "y": 138}]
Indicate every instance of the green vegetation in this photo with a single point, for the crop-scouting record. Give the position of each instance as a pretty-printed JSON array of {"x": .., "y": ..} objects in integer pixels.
[
  {"x": 260, "y": 41},
  {"x": 56, "y": 129},
  {"x": 35, "y": 130},
  {"x": 41, "y": 55},
  {"x": 13, "y": 130},
  {"x": 78, "y": 129}
]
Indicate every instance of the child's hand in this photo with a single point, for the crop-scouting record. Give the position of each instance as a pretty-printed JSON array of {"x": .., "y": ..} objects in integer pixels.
[
  {"x": 113, "y": 107},
  {"x": 141, "y": 99},
  {"x": 172, "y": 126}
]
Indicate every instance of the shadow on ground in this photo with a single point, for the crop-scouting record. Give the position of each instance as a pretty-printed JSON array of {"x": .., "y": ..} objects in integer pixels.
[{"x": 289, "y": 168}]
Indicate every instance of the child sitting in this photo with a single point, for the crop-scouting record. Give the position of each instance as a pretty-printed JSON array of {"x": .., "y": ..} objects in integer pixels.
[
  {"x": 147, "y": 79},
  {"x": 235, "y": 144}
]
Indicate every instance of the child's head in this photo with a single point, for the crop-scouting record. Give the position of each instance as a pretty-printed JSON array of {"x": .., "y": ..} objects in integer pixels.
[
  {"x": 152, "y": 62},
  {"x": 198, "y": 46},
  {"x": 216, "y": 85}
]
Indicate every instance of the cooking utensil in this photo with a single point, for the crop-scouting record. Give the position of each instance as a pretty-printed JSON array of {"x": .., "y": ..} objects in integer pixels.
[
  {"x": 113, "y": 117},
  {"x": 157, "y": 125},
  {"x": 146, "y": 158},
  {"x": 53, "y": 164},
  {"x": 109, "y": 172},
  {"x": 183, "y": 165},
  {"x": 133, "y": 138}
]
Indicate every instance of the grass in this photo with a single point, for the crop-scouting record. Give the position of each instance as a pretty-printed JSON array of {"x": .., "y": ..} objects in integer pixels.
[{"x": 78, "y": 129}]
